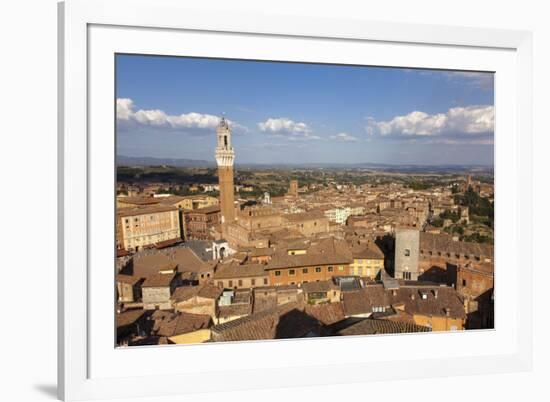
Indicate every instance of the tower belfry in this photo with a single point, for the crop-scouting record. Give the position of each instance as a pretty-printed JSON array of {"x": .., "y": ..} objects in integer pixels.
[{"x": 225, "y": 157}]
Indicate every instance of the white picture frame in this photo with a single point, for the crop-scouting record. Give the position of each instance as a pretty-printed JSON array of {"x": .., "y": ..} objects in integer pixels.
[{"x": 84, "y": 74}]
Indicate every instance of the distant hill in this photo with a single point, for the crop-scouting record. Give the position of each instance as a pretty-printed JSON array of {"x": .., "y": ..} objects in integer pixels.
[
  {"x": 150, "y": 161},
  {"x": 404, "y": 168}
]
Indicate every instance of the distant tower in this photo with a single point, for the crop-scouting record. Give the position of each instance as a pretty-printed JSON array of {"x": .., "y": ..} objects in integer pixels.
[
  {"x": 407, "y": 249},
  {"x": 293, "y": 190},
  {"x": 267, "y": 198},
  {"x": 225, "y": 156}
]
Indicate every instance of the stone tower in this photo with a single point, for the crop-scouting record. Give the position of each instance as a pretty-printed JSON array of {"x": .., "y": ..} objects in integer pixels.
[
  {"x": 225, "y": 156},
  {"x": 407, "y": 250},
  {"x": 293, "y": 189}
]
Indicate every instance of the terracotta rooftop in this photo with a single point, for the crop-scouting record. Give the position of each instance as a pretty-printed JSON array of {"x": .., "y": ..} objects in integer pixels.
[
  {"x": 139, "y": 200},
  {"x": 152, "y": 209},
  {"x": 188, "y": 261},
  {"x": 207, "y": 291},
  {"x": 375, "y": 326},
  {"x": 128, "y": 317},
  {"x": 326, "y": 252},
  {"x": 446, "y": 244},
  {"x": 367, "y": 251},
  {"x": 423, "y": 300},
  {"x": 181, "y": 323},
  {"x": 159, "y": 280},
  {"x": 236, "y": 270},
  {"x": 128, "y": 279},
  {"x": 147, "y": 265},
  {"x": 206, "y": 210},
  {"x": 286, "y": 321},
  {"x": 304, "y": 216},
  {"x": 326, "y": 314}
]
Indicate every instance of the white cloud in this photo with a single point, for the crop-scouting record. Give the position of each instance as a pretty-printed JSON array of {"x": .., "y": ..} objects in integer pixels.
[
  {"x": 456, "y": 122},
  {"x": 283, "y": 125},
  {"x": 344, "y": 137},
  {"x": 127, "y": 115}
]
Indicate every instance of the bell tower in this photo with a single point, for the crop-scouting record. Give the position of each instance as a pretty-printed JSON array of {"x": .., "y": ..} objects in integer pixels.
[{"x": 225, "y": 157}]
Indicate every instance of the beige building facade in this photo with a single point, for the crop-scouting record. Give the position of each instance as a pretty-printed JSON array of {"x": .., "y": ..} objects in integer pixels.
[{"x": 141, "y": 227}]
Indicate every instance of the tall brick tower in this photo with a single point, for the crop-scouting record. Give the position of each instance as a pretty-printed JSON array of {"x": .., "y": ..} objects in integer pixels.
[{"x": 225, "y": 156}]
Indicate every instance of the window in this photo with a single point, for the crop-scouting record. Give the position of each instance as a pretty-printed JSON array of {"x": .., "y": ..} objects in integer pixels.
[
  {"x": 407, "y": 275},
  {"x": 318, "y": 269},
  {"x": 230, "y": 284},
  {"x": 330, "y": 269},
  {"x": 253, "y": 282},
  {"x": 463, "y": 282},
  {"x": 291, "y": 272},
  {"x": 341, "y": 268},
  {"x": 407, "y": 252},
  {"x": 265, "y": 281},
  {"x": 304, "y": 271},
  {"x": 277, "y": 273},
  {"x": 225, "y": 140},
  {"x": 240, "y": 282}
]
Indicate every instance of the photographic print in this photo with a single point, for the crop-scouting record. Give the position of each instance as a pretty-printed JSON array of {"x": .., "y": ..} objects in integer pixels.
[{"x": 265, "y": 200}]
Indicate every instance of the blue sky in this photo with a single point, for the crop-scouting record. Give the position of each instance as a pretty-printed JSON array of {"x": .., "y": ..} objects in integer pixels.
[{"x": 295, "y": 112}]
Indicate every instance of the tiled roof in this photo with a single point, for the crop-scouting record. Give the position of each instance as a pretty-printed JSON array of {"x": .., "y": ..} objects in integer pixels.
[
  {"x": 128, "y": 317},
  {"x": 286, "y": 321},
  {"x": 447, "y": 300},
  {"x": 236, "y": 270},
  {"x": 326, "y": 252},
  {"x": 446, "y": 244},
  {"x": 374, "y": 326},
  {"x": 320, "y": 286},
  {"x": 159, "y": 280},
  {"x": 356, "y": 302},
  {"x": 235, "y": 310},
  {"x": 139, "y": 200},
  {"x": 328, "y": 313},
  {"x": 147, "y": 265},
  {"x": 206, "y": 290},
  {"x": 205, "y": 210},
  {"x": 150, "y": 209},
  {"x": 305, "y": 216},
  {"x": 367, "y": 251},
  {"x": 128, "y": 279},
  {"x": 181, "y": 323},
  {"x": 188, "y": 261}
]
